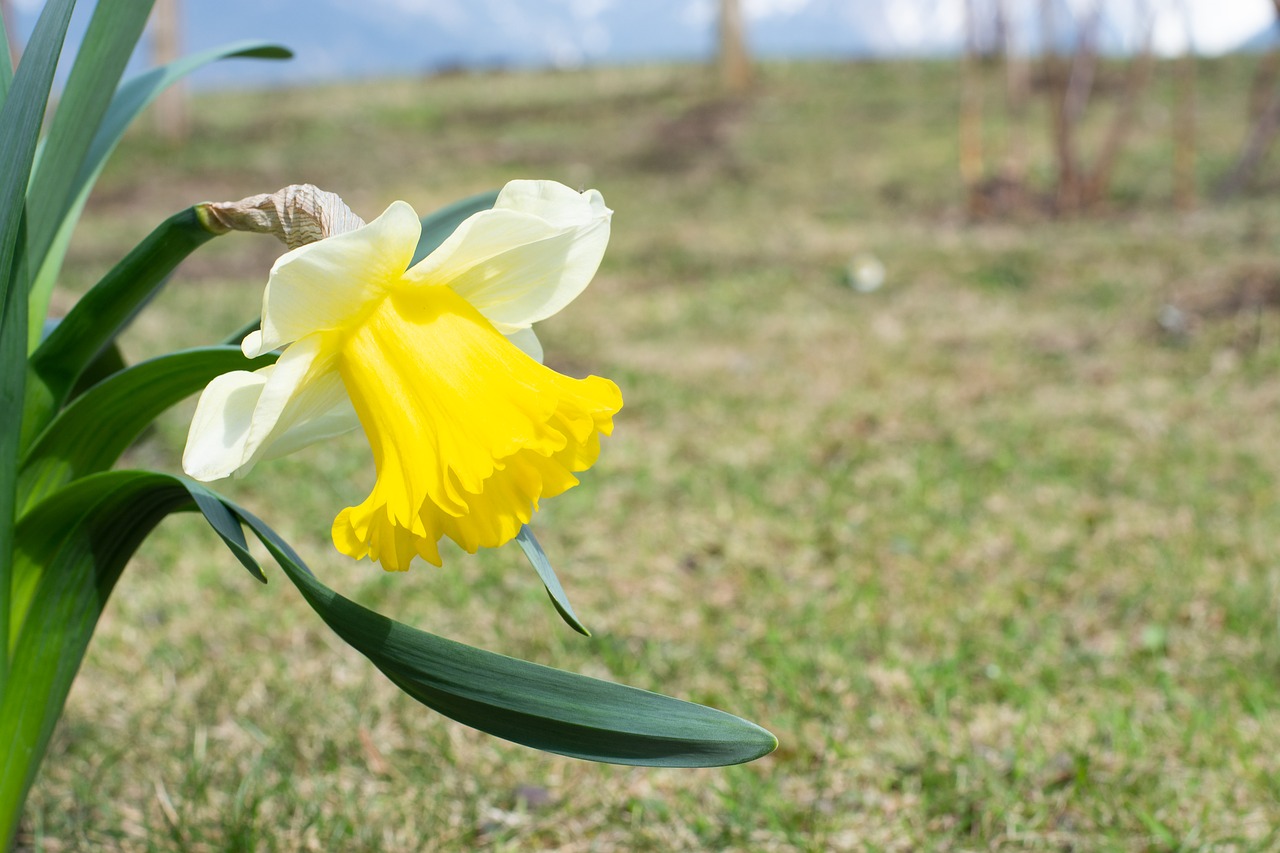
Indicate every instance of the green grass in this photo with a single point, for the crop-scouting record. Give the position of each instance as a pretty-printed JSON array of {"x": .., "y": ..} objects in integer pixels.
[{"x": 993, "y": 555}]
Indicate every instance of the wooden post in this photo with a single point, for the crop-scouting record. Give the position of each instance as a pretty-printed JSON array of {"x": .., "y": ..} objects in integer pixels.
[
  {"x": 1261, "y": 134},
  {"x": 1056, "y": 91},
  {"x": 166, "y": 44},
  {"x": 735, "y": 60},
  {"x": 1072, "y": 91},
  {"x": 1184, "y": 122},
  {"x": 1264, "y": 77},
  {"x": 1016, "y": 89},
  {"x": 1098, "y": 182},
  {"x": 972, "y": 168}
]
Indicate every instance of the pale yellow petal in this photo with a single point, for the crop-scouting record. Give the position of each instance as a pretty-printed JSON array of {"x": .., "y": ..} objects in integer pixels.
[
  {"x": 525, "y": 259},
  {"x": 220, "y": 427},
  {"x": 243, "y": 418},
  {"x": 329, "y": 284}
]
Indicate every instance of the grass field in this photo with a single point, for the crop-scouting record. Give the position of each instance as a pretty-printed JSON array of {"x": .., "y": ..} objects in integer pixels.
[{"x": 992, "y": 552}]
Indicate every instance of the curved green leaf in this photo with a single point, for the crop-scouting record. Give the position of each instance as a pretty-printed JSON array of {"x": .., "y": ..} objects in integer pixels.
[
  {"x": 69, "y": 553},
  {"x": 102, "y": 313},
  {"x": 538, "y": 559},
  {"x": 20, "y": 120},
  {"x": 535, "y": 705},
  {"x": 528, "y": 703},
  {"x": 6, "y": 63},
  {"x": 130, "y": 100},
  {"x": 226, "y": 525},
  {"x": 90, "y": 434},
  {"x": 108, "y": 42},
  {"x": 237, "y": 337},
  {"x": 110, "y": 360},
  {"x": 437, "y": 226}
]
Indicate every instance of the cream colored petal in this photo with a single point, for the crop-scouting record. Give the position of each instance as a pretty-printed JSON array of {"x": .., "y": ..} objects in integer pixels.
[
  {"x": 322, "y": 286},
  {"x": 525, "y": 259},
  {"x": 220, "y": 428},
  {"x": 331, "y": 415},
  {"x": 528, "y": 342},
  {"x": 243, "y": 418}
]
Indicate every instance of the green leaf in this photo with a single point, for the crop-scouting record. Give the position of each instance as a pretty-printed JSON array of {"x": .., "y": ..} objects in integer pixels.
[
  {"x": 20, "y": 120},
  {"x": 108, "y": 42},
  {"x": 107, "y": 362},
  {"x": 133, "y": 97},
  {"x": 538, "y": 559},
  {"x": 528, "y": 703},
  {"x": 226, "y": 525},
  {"x": 6, "y": 63},
  {"x": 237, "y": 337},
  {"x": 102, "y": 313},
  {"x": 70, "y": 551},
  {"x": 437, "y": 226},
  {"x": 90, "y": 434},
  {"x": 72, "y": 547}
]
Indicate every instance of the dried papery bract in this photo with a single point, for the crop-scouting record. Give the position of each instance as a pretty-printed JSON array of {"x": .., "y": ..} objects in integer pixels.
[{"x": 298, "y": 214}]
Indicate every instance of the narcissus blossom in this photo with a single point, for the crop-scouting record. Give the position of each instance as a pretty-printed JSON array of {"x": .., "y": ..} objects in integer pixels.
[{"x": 436, "y": 361}]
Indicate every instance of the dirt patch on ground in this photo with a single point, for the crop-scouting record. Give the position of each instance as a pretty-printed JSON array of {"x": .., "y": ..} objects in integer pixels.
[
  {"x": 700, "y": 136},
  {"x": 1242, "y": 296}
]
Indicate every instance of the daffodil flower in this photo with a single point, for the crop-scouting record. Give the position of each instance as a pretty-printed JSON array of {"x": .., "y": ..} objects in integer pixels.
[{"x": 436, "y": 361}]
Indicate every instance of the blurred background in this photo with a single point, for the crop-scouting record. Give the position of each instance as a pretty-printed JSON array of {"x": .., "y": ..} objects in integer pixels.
[
  {"x": 340, "y": 39},
  {"x": 949, "y": 335}
]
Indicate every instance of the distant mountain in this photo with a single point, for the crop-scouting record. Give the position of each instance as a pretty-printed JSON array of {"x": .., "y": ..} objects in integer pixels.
[
  {"x": 336, "y": 39},
  {"x": 344, "y": 37}
]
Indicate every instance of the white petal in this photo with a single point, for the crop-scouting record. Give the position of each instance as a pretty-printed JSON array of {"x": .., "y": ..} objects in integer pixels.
[
  {"x": 339, "y": 419},
  {"x": 525, "y": 259},
  {"x": 243, "y": 418},
  {"x": 215, "y": 443},
  {"x": 528, "y": 342},
  {"x": 323, "y": 285},
  {"x": 552, "y": 201}
]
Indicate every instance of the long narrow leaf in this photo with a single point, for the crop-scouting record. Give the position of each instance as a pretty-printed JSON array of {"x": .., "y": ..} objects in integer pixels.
[
  {"x": 6, "y": 63},
  {"x": 538, "y": 559},
  {"x": 20, "y": 119},
  {"x": 108, "y": 42},
  {"x": 82, "y": 537},
  {"x": 84, "y": 534},
  {"x": 109, "y": 361},
  {"x": 70, "y": 552},
  {"x": 227, "y": 526},
  {"x": 102, "y": 313},
  {"x": 133, "y": 97},
  {"x": 528, "y": 703},
  {"x": 90, "y": 434}
]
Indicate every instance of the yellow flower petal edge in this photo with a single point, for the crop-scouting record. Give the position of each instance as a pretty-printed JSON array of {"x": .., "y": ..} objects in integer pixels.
[{"x": 468, "y": 430}]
